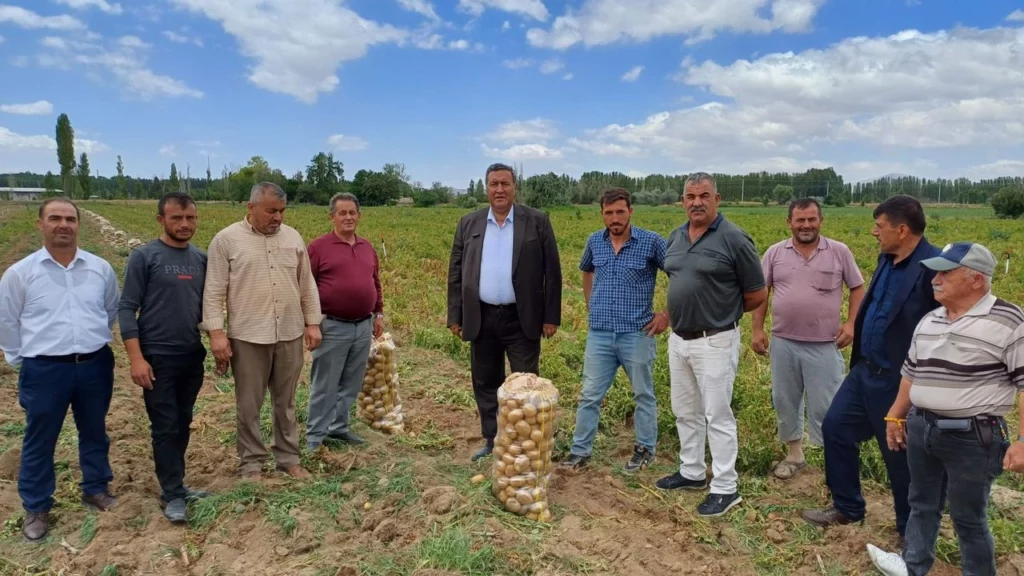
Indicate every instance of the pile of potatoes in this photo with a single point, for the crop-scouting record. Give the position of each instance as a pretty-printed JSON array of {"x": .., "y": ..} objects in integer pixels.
[
  {"x": 522, "y": 449},
  {"x": 378, "y": 402}
]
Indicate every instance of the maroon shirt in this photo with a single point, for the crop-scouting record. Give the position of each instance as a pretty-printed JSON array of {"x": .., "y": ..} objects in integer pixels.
[{"x": 347, "y": 277}]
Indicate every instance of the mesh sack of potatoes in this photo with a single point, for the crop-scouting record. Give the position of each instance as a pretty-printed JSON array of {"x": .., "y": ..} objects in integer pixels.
[
  {"x": 378, "y": 403},
  {"x": 522, "y": 449}
]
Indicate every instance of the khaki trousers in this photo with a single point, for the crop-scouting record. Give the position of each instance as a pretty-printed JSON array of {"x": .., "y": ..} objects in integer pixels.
[{"x": 257, "y": 367}]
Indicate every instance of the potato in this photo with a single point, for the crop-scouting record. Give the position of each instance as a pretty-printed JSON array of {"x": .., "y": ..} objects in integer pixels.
[
  {"x": 379, "y": 403},
  {"x": 537, "y": 435}
]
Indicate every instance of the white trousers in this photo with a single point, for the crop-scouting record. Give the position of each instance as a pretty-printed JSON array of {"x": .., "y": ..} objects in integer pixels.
[{"x": 702, "y": 376}]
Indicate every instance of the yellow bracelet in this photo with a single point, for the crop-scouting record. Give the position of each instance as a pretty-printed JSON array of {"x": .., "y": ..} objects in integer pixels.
[{"x": 895, "y": 420}]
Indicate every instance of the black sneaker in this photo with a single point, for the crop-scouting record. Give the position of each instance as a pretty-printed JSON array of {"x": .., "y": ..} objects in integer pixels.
[
  {"x": 175, "y": 511},
  {"x": 642, "y": 458},
  {"x": 677, "y": 482},
  {"x": 574, "y": 462},
  {"x": 718, "y": 504}
]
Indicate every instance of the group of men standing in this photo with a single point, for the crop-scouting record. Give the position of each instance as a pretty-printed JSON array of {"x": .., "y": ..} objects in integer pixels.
[{"x": 260, "y": 294}]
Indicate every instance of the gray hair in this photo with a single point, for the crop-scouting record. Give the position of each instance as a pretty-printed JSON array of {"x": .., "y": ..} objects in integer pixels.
[
  {"x": 343, "y": 197},
  {"x": 700, "y": 178},
  {"x": 261, "y": 188},
  {"x": 985, "y": 277}
]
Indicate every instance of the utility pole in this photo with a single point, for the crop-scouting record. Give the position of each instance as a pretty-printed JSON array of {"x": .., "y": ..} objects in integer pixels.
[{"x": 743, "y": 182}]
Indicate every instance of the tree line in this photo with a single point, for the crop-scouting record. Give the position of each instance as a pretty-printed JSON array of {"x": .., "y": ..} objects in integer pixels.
[{"x": 325, "y": 176}]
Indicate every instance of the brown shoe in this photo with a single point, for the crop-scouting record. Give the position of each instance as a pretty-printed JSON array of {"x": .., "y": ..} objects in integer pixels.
[
  {"x": 828, "y": 517},
  {"x": 35, "y": 526},
  {"x": 295, "y": 471},
  {"x": 100, "y": 502}
]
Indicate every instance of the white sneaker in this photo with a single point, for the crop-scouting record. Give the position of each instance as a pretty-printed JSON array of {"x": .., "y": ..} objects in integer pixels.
[{"x": 888, "y": 563}]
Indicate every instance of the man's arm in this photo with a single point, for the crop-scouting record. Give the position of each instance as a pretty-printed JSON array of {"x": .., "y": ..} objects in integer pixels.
[
  {"x": 378, "y": 308},
  {"x": 309, "y": 297},
  {"x": 759, "y": 339},
  {"x": 749, "y": 272},
  {"x": 111, "y": 296},
  {"x": 587, "y": 267},
  {"x": 215, "y": 288},
  {"x": 135, "y": 283},
  {"x": 856, "y": 297},
  {"x": 455, "y": 277},
  {"x": 552, "y": 275},
  {"x": 12, "y": 303},
  {"x": 1013, "y": 357}
]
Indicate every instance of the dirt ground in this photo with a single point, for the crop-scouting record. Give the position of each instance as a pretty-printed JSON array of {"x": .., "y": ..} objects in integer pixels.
[{"x": 405, "y": 505}]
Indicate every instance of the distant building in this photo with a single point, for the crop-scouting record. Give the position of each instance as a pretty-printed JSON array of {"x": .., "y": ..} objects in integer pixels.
[
  {"x": 406, "y": 201},
  {"x": 22, "y": 194}
]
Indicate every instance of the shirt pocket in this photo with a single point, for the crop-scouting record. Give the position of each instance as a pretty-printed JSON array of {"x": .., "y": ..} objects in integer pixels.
[
  {"x": 827, "y": 280},
  {"x": 712, "y": 263}
]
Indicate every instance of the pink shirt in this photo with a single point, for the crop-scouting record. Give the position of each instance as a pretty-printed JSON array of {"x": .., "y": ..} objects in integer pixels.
[{"x": 808, "y": 293}]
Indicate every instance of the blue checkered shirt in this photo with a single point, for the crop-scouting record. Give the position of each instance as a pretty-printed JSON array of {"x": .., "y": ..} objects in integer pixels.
[{"x": 622, "y": 296}]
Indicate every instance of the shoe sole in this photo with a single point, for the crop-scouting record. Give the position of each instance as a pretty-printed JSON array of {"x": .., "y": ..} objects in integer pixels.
[
  {"x": 626, "y": 469},
  {"x": 685, "y": 487},
  {"x": 177, "y": 521},
  {"x": 722, "y": 513},
  {"x": 96, "y": 508}
]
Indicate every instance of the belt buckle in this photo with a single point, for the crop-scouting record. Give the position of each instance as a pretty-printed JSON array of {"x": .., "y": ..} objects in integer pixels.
[{"x": 78, "y": 358}]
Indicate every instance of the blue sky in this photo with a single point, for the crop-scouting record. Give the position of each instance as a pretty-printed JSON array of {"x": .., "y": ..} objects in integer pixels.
[{"x": 870, "y": 87}]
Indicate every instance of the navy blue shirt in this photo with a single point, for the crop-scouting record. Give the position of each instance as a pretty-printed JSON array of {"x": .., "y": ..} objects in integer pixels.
[
  {"x": 872, "y": 337},
  {"x": 622, "y": 296}
]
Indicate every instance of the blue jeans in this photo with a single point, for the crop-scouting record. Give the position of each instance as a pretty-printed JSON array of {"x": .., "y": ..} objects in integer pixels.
[
  {"x": 959, "y": 458},
  {"x": 45, "y": 390},
  {"x": 606, "y": 351}
]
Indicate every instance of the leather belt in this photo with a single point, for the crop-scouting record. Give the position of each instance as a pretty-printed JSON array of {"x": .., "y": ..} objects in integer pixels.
[
  {"x": 511, "y": 306},
  {"x": 874, "y": 369},
  {"x": 72, "y": 358},
  {"x": 356, "y": 321},
  {"x": 695, "y": 334}
]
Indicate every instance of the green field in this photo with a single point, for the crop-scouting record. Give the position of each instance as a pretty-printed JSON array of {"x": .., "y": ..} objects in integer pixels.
[{"x": 605, "y": 523}]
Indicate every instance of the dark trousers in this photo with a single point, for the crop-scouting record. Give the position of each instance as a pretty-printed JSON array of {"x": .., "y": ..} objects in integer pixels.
[
  {"x": 857, "y": 414},
  {"x": 169, "y": 405},
  {"x": 959, "y": 458},
  {"x": 500, "y": 336},
  {"x": 46, "y": 388}
]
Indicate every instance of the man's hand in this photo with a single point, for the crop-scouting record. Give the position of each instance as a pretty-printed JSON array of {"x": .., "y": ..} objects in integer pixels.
[
  {"x": 222, "y": 367},
  {"x": 378, "y": 326},
  {"x": 142, "y": 373},
  {"x": 845, "y": 335},
  {"x": 220, "y": 346},
  {"x": 896, "y": 436},
  {"x": 657, "y": 325},
  {"x": 1014, "y": 459},
  {"x": 549, "y": 330},
  {"x": 456, "y": 329},
  {"x": 759, "y": 342},
  {"x": 312, "y": 337}
]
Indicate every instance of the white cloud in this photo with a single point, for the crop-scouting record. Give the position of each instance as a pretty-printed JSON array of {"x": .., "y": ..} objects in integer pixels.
[
  {"x": 124, "y": 58},
  {"x": 347, "y": 143},
  {"x": 633, "y": 74},
  {"x": 458, "y": 45},
  {"x": 506, "y": 25},
  {"x": 420, "y": 7},
  {"x": 1016, "y": 16},
  {"x": 568, "y": 76},
  {"x": 38, "y": 108},
  {"x": 1, "y": 39},
  {"x": 535, "y": 130},
  {"x": 302, "y": 65},
  {"x": 517, "y": 63},
  {"x": 28, "y": 19},
  {"x": 551, "y": 66},
  {"x": 599, "y": 22},
  {"x": 1001, "y": 167},
  {"x": 182, "y": 38},
  {"x": 533, "y": 8},
  {"x": 101, "y": 5},
  {"x": 168, "y": 150},
  {"x": 12, "y": 141},
  {"x": 522, "y": 152}
]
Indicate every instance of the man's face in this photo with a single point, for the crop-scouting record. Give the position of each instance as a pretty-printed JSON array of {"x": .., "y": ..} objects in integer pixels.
[
  {"x": 805, "y": 223},
  {"x": 501, "y": 190},
  {"x": 889, "y": 236},
  {"x": 179, "y": 222},
  {"x": 345, "y": 217},
  {"x": 59, "y": 225},
  {"x": 954, "y": 285},
  {"x": 701, "y": 203},
  {"x": 616, "y": 217},
  {"x": 267, "y": 213}
]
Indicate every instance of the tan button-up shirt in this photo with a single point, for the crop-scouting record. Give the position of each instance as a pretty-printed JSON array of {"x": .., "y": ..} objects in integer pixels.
[{"x": 267, "y": 282}]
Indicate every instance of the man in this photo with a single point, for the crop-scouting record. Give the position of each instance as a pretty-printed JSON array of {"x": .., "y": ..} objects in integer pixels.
[
  {"x": 504, "y": 291},
  {"x": 714, "y": 277},
  {"x": 900, "y": 294},
  {"x": 620, "y": 265},
  {"x": 347, "y": 275},
  {"x": 806, "y": 274},
  {"x": 964, "y": 367},
  {"x": 163, "y": 284},
  {"x": 58, "y": 307},
  {"x": 259, "y": 269}
]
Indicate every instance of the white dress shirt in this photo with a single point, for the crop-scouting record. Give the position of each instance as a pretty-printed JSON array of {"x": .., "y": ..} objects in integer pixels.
[
  {"x": 496, "y": 261},
  {"x": 49, "y": 310}
]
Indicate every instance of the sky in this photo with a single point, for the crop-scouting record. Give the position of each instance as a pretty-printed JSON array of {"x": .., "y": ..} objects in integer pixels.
[{"x": 933, "y": 88}]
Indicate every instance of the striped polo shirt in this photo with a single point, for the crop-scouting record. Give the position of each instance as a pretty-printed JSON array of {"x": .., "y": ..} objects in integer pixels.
[{"x": 971, "y": 366}]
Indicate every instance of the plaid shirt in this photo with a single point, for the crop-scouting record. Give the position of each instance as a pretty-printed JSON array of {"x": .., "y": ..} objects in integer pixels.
[{"x": 621, "y": 300}]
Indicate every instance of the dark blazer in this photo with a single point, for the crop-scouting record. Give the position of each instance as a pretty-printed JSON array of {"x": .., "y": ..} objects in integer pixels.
[
  {"x": 914, "y": 299},
  {"x": 536, "y": 272}
]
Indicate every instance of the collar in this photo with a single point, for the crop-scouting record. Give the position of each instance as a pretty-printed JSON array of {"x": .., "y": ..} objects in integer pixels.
[
  {"x": 509, "y": 218},
  {"x": 822, "y": 243},
  {"x": 337, "y": 240},
  {"x": 44, "y": 254},
  {"x": 714, "y": 225},
  {"x": 981, "y": 308},
  {"x": 633, "y": 231},
  {"x": 250, "y": 228}
]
